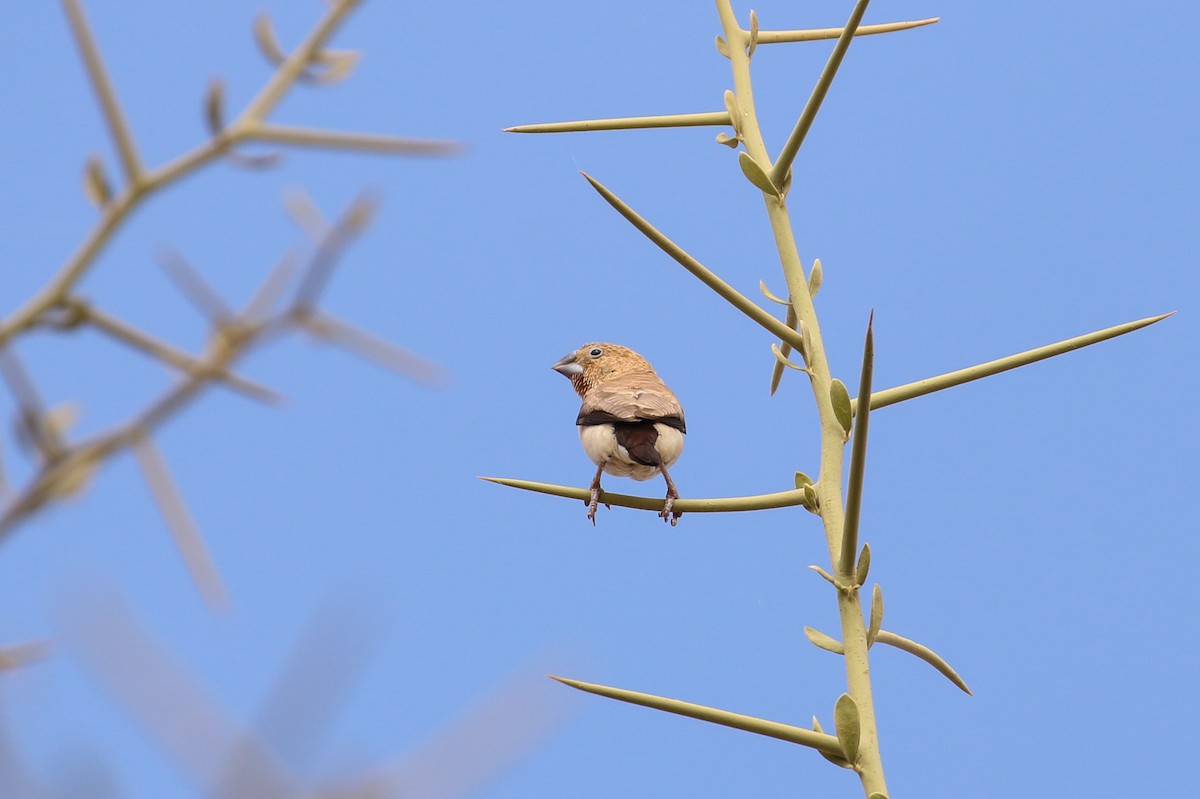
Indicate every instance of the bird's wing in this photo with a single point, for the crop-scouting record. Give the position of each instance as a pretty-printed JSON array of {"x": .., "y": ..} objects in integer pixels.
[{"x": 631, "y": 398}]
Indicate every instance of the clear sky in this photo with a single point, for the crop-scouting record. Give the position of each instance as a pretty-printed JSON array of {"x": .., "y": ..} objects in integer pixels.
[{"x": 1017, "y": 174}]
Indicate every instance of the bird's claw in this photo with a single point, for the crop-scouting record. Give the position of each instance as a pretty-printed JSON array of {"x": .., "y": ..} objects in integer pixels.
[
  {"x": 668, "y": 514},
  {"x": 593, "y": 503}
]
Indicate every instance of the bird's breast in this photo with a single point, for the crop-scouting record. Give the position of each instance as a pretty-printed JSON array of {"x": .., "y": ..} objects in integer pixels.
[{"x": 600, "y": 442}]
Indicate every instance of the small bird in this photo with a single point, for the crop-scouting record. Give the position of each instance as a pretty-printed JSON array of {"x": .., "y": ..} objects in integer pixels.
[{"x": 630, "y": 424}]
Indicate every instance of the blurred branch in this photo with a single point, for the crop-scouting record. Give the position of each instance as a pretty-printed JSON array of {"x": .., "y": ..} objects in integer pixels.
[
  {"x": 187, "y": 537},
  {"x": 231, "y": 759},
  {"x": 63, "y": 467},
  {"x": 114, "y": 117},
  {"x": 249, "y": 125}
]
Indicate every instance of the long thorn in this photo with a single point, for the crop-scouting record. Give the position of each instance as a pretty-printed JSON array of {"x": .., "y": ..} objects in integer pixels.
[
  {"x": 788, "y": 154},
  {"x": 858, "y": 462}
]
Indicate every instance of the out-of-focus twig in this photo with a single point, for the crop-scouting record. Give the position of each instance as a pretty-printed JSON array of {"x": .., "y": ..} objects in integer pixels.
[
  {"x": 62, "y": 466},
  {"x": 235, "y": 760}
]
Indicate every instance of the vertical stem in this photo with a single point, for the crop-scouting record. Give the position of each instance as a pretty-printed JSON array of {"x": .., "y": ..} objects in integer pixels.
[{"x": 829, "y": 484}]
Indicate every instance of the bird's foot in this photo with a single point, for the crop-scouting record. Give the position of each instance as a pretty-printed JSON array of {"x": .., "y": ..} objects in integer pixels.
[
  {"x": 593, "y": 503},
  {"x": 668, "y": 514}
]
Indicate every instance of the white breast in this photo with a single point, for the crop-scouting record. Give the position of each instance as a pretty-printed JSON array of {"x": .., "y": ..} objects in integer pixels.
[{"x": 600, "y": 444}]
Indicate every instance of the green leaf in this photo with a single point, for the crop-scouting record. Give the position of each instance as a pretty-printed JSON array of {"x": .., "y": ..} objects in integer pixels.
[
  {"x": 811, "y": 500},
  {"x": 876, "y": 614},
  {"x": 864, "y": 565},
  {"x": 782, "y": 359},
  {"x": 815, "y": 278},
  {"x": 840, "y": 398},
  {"x": 96, "y": 186},
  {"x": 823, "y": 641},
  {"x": 823, "y": 573},
  {"x": 722, "y": 47},
  {"x": 849, "y": 729},
  {"x": 757, "y": 175},
  {"x": 837, "y": 761},
  {"x": 731, "y": 142},
  {"x": 766, "y": 292},
  {"x": 803, "y": 480},
  {"x": 734, "y": 110},
  {"x": 214, "y": 106},
  {"x": 268, "y": 44}
]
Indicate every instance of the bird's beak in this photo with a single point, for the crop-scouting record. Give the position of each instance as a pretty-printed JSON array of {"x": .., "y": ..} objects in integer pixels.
[{"x": 566, "y": 366}]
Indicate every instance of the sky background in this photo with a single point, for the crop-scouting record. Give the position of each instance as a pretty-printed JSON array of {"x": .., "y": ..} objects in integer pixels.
[{"x": 1018, "y": 174}]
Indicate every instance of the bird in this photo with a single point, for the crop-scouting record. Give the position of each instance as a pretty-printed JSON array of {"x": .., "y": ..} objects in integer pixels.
[{"x": 630, "y": 423}]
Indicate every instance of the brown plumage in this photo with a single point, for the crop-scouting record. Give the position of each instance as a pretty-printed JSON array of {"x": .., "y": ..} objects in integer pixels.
[{"x": 630, "y": 423}]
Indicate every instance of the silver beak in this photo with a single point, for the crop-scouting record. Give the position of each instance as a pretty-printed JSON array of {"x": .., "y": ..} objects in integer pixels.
[{"x": 567, "y": 366}]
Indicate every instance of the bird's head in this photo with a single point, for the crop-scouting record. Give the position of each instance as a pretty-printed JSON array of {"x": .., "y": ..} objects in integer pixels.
[{"x": 592, "y": 364}]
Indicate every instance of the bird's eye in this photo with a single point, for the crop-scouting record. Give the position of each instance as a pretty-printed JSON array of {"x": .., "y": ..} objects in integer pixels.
[{"x": 595, "y": 352}]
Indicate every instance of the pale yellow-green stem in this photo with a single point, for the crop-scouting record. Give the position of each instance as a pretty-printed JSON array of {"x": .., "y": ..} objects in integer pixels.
[{"x": 829, "y": 484}]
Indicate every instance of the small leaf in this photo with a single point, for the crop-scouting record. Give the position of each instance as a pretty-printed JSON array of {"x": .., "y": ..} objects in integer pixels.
[
  {"x": 268, "y": 44},
  {"x": 812, "y": 502},
  {"x": 731, "y": 142},
  {"x": 335, "y": 66},
  {"x": 70, "y": 477},
  {"x": 803, "y": 480},
  {"x": 824, "y": 574},
  {"x": 214, "y": 106},
  {"x": 815, "y": 278},
  {"x": 734, "y": 110},
  {"x": 753, "y": 34},
  {"x": 59, "y": 420},
  {"x": 96, "y": 186},
  {"x": 781, "y": 358},
  {"x": 823, "y": 641},
  {"x": 805, "y": 340},
  {"x": 849, "y": 729},
  {"x": 840, "y": 398},
  {"x": 758, "y": 176},
  {"x": 837, "y": 761},
  {"x": 876, "y": 614},
  {"x": 864, "y": 565},
  {"x": 762, "y": 286},
  {"x": 817, "y": 725},
  {"x": 722, "y": 47}
]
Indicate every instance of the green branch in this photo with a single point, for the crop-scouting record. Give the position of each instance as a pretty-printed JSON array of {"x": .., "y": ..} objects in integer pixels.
[
  {"x": 890, "y": 396},
  {"x": 709, "y": 118},
  {"x": 820, "y": 741},
  {"x": 791, "y": 147},
  {"x": 709, "y": 278},
  {"x": 779, "y": 499}
]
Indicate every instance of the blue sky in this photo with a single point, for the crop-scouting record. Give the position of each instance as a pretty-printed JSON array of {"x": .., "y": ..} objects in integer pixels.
[{"x": 1017, "y": 174}]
